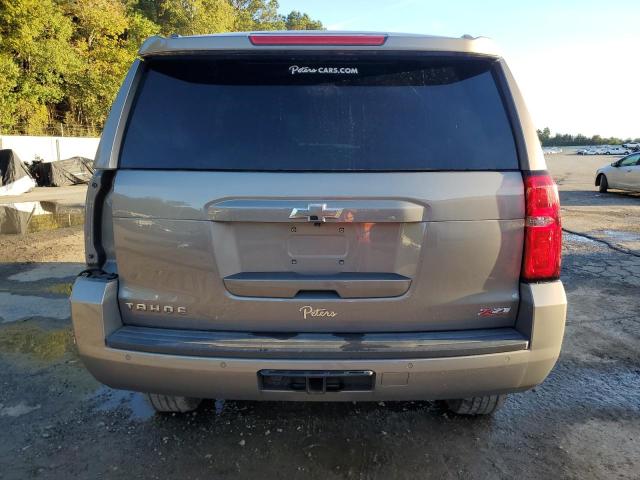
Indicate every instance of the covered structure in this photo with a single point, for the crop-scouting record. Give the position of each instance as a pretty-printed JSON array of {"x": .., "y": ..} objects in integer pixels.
[
  {"x": 72, "y": 171},
  {"x": 15, "y": 178}
]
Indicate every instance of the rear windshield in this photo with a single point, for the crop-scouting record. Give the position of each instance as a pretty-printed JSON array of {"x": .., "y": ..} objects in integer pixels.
[{"x": 337, "y": 113}]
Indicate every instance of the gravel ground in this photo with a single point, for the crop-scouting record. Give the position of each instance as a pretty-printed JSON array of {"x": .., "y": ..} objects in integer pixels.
[
  {"x": 613, "y": 218},
  {"x": 582, "y": 423}
]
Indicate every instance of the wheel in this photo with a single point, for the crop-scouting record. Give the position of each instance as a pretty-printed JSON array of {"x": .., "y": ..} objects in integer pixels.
[
  {"x": 476, "y": 405},
  {"x": 604, "y": 185},
  {"x": 173, "y": 404}
]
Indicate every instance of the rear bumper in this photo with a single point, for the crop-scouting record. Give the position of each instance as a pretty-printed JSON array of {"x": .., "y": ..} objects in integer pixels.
[
  {"x": 317, "y": 346},
  {"x": 510, "y": 361}
]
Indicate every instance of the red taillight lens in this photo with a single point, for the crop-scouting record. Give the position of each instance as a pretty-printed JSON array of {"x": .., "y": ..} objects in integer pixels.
[
  {"x": 543, "y": 229},
  {"x": 267, "y": 39}
]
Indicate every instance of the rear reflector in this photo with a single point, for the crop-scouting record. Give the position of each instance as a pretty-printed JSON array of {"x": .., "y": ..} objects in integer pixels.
[
  {"x": 543, "y": 228},
  {"x": 317, "y": 39}
]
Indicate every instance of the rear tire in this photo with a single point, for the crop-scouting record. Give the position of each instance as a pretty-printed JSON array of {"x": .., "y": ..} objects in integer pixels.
[
  {"x": 604, "y": 185},
  {"x": 476, "y": 405},
  {"x": 173, "y": 404}
]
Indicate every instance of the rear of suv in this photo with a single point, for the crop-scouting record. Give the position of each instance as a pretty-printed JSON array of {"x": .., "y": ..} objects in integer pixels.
[{"x": 315, "y": 216}]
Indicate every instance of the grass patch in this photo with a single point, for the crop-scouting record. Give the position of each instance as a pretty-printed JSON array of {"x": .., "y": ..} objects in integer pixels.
[
  {"x": 35, "y": 341},
  {"x": 61, "y": 289},
  {"x": 54, "y": 221}
]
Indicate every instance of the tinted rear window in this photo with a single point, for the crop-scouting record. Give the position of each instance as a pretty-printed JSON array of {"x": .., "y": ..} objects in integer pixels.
[{"x": 327, "y": 114}]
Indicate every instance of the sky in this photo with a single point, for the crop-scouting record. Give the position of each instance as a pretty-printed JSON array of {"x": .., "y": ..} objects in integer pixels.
[{"x": 576, "y": 62}]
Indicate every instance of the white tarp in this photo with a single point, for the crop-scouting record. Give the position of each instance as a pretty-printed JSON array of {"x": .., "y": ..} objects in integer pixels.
[{"x": 20, "y": 186}]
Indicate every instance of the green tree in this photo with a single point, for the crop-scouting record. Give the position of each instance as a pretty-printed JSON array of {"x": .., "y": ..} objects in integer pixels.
[
  {"x": 254, "y": 15},
  {"x": 544, "y": 135},
  {"x": 8, "y": 85},
  {"x": 565, "y": 139},
  {"x": 35, "y": 57},
  {"x": 301, "y": 21},
  {"x": 105, "y": 40},
  {"x": 189, "y": 17},
  {"x": 62, "y": 61}
]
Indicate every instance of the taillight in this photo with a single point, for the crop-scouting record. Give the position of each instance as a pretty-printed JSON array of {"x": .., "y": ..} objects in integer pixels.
[
  {"x": 543, "y": 228},
  {"x": 315, "y": 39}
]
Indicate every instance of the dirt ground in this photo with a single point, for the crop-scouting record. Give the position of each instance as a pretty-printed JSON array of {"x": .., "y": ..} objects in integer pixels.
[
  {"x": 43, "y": 241},
  {"x": 583, "y": 422},
  {"x": 62, "y": 245}
]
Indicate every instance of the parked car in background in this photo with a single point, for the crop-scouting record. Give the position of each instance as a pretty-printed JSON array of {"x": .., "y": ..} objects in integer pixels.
[
  {"x": 617, "y": 151},
  {"x": 631, "y": 146},
  {"x": 623, "y": 174},
  {"x": 604, "y": 150},
  {"x": 551, "y": 150},
  {"x": 587, "y": 151},
  {"x": 334, "y": 244}
]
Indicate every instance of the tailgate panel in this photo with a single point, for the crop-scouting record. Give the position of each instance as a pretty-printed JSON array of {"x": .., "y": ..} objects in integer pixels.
[{"x": 409, "y": 251}]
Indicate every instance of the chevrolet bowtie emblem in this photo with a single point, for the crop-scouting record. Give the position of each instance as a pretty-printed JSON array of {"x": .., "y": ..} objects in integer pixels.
[{"x": 316, "y": 212}]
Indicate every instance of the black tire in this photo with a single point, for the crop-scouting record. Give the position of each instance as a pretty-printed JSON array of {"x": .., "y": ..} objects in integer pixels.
[
  {"x": 603, "y": 185},
  {"x": 173, "y": 404},
  {"x": 476, "y": 405}
]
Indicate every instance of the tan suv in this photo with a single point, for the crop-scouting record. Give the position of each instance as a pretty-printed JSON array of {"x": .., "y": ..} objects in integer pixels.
[{"x": 320, "y": 216}]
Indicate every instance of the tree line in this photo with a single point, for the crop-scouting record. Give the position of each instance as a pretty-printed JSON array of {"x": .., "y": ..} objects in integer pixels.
[
  {"x": 565, "y": 139},
  {"x": 62, "y": 61}
]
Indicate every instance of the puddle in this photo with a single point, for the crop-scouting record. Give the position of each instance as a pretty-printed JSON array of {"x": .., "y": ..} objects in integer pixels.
[
  {"x": 219, "y": 406},
  {"x": 48, "y": 270},
  {"x": 28, "y": 217},
  {"x": 572, "y": 237},
  {"x": 20, "y": 307},
  {"x": 17, "y": 410},
  {"x": 110, "y": 400},
  {"x": 622, "y": 236},
  {"x": 32, "y": 340}
]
